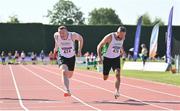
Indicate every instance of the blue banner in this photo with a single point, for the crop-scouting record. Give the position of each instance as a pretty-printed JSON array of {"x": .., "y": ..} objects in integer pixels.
[
  {"x": 169, "y": 37},
  {"x": 137, "y": 39}
]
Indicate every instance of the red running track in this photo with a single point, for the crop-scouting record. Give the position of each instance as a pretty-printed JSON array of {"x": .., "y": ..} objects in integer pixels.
[{"x": 39, "y": 87}]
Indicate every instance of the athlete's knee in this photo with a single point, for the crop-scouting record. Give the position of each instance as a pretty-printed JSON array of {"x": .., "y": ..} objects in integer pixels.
[
  {"x": 64, "y": 67},
  {"x": 117, "y": 71},
  {"x": 70, "y": 74}
]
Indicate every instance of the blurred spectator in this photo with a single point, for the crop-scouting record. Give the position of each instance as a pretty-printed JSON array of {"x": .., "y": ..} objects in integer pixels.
[
  {"x": 87, "y": 57},
  {"x": 144, "y": 52},
  {"x": 23, "y": 57},
  {"x": 42, "y": 55},
  {"x": 93, "y": 60},
  {"x": 129, "y": 56},
  {"x": 33, "y": 58},
  {"x": 51, "y": 57},
  {"x": 3, "y": 57},
  {"x": 16, "y": 57},
  {"x": 10, "y": 58}
]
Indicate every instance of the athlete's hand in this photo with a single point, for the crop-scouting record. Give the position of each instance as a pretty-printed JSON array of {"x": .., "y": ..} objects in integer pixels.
[
  {"x": 55, "y": 50},
  {"x": 79, "y": 54},
  {"x": 99, "y": 59}
]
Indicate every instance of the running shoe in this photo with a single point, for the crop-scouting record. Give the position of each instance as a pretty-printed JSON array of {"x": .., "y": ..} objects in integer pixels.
[
  {"x": 116, "y": 95},
  {"x": 67, "y": 94}
]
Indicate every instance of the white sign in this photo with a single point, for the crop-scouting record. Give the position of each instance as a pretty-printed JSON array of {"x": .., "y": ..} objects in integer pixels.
[
  {"x": 133, "y": 66},
  {"x": 149, "y": 66},
  {"x": 155, "y": 66}
]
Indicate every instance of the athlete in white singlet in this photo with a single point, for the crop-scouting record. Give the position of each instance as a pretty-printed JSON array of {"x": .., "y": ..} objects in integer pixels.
[
  {"x": 65, "y": 45},
  {"x": 112, "y": 47}
]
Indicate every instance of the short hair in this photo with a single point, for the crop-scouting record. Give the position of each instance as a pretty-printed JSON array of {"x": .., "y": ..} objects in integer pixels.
[
  {"x": 121, "y": 29},
  {"x": 62, "y": 27}
]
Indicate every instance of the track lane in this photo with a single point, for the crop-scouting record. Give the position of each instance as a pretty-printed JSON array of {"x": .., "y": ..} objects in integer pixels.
[
  {"x": 55, "y": 82},
  {"x": 39, "y": 95},
  {"x": 150, "y": 106},
  {"x": 160, "y": 99},
  {"x": 8, "y": 96}
]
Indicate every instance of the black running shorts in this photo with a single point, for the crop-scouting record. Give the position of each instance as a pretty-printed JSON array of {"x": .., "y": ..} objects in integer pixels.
[
  {"x": 70, "y": 62},
  {"x": 109, "y": 63}
]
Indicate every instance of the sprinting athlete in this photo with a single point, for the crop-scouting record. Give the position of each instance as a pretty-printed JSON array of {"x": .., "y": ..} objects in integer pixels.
[
  {"x": 112, "y": 45},
  {"x": 65, "y": 45}
]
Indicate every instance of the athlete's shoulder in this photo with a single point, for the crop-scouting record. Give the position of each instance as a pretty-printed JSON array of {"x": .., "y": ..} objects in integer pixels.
[
  {"x": 110, "y": 34},
  {"x": 56, "y": 34},
  {"x": 74, "y": 33}
]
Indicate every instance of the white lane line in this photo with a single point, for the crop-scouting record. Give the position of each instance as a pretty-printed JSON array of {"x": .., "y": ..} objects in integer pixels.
[
  {"x": 154, "y": 82},
  {"x": 148, "y": 81},
  {"x": 157, "y": 106},
  {"x": 59, "y": 88},
  {"x": 17, "y": 90},
  {"x": 151, "y": 90}
]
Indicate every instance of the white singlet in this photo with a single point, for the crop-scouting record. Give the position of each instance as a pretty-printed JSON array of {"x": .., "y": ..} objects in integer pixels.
[
  {"x": 114, "y": 47},
  {"x": 66, "y": 47}
]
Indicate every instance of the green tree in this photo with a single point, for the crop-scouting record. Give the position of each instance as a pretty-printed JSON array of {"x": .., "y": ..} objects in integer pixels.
[
  {"x": 146, "y": 20},
  {"x": 13, "y": 19},
  {"x": 103, "y": 16},
  {"x": 65, "y": 12}
]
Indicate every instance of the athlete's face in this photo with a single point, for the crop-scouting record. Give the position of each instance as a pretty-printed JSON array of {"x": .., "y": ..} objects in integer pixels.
[
  {"x": 121, "y": 35},
  {"x": 63, "y": 33}
]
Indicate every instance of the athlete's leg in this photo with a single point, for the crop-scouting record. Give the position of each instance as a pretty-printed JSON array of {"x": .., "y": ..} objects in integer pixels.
[
  {"x": 65, "y": 76},
  {"x": 116, "y": 69},
  {"x": 67, "y": 70},
  {"x": 118, "y": 80},
  {"x": 117, "y": 83},
  {"x": 106, "y": 68}
]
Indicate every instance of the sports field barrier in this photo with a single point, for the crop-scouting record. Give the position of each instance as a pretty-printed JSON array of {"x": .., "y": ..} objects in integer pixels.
[{"x": 36, "y": 36}]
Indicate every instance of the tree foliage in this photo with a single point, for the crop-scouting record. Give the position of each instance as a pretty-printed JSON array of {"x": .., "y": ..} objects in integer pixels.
[
  {"x": 103, "y": 16},
  {"x": 146, "y": 20},
  {"x": 65, "y": 12},
  {"x": 13, "y": 19}
]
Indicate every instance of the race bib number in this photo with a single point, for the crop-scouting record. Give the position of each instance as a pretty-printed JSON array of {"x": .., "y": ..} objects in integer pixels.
[
  {"x": 116, "y": 49},
  {"x": 67, "y": 51}
]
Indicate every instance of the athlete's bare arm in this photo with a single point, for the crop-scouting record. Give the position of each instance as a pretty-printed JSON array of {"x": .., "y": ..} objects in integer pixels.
[
  {"x": 121, "y": 51},
  {"x": 79, "y": 38},
  {"x": 55, "y": 42},
  {"x": 106, "y": 40}
]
